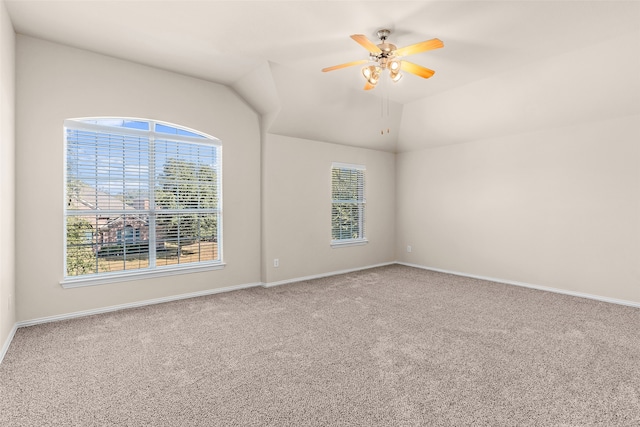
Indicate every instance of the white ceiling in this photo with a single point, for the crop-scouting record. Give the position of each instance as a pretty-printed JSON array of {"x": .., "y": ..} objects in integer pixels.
[{"x": 271, "y": 52}]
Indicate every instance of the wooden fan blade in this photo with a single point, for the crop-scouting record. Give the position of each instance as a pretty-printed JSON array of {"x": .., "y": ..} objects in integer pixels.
[
  {"x": 348, "y": 64},
  {"x": 419, "y": 47},
  {"x": 366, "y": 43},
  {"x": 368, "y": 86},
  {"x": 416, "y": 69}
]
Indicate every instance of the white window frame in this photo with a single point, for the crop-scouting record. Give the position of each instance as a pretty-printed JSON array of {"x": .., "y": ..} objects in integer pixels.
[
  {"x": 361, "y": 202},
  {"x": 152, "y": 271}
]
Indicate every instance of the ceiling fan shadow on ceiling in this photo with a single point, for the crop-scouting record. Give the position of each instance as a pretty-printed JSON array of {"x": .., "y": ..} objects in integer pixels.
[{"x": 386, "y": 56}]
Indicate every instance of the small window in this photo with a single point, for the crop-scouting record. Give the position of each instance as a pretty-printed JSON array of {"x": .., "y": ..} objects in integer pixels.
[
  {"x": 347, "y": 204},
  {"x": 149, "y": 192},
  {"x": 128, "y": 234}
]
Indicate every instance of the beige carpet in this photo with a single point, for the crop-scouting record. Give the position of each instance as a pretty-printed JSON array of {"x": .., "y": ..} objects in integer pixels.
[{"x": 391, "y": 346}]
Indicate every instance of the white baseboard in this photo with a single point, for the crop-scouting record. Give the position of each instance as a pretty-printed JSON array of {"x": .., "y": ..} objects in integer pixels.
[
  {"x": 132, "y": 305},
  {"x": 529, "y": 285},
  {"x": 319, "y": 276},
  {"x": 24, "y": 323},
  {"x": 108, "y": 309},
  {"x": 7, "y": 342}
]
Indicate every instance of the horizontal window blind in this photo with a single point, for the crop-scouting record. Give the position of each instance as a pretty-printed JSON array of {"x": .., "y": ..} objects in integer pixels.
[
  {"x": 139, "y": 195},
  {"x": 348, "y": 202}
]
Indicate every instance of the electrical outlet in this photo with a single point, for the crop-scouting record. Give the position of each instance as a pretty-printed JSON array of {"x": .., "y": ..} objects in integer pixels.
[
  {"x": 408, "y": 248},
  {"x": 276, "y": 262}
]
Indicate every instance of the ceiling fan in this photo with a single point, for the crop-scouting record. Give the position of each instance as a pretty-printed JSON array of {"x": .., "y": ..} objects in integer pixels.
[{"x": 387, "y": 56}]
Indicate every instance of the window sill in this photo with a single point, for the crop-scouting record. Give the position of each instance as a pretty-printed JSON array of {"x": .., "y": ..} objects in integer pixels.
[
  {"x": 352, "y": 242},
  {"x": 101, "y": 279}
]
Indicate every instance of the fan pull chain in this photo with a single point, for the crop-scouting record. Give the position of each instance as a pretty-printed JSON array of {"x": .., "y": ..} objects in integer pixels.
[
  {"x": 387, "y": 91},
  {"x": 384, "y": 97}
]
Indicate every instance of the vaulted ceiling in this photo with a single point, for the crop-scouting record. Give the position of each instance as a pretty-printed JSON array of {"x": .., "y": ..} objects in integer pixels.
[{"x": 507, "y": 66}]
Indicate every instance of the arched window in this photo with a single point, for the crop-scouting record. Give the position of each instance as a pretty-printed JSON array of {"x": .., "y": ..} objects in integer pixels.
[{"x": 150, "y": 189}]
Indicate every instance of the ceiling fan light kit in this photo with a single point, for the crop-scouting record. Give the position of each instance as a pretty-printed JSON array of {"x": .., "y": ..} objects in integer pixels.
[
  {"x": 386, "y": 56},
  {"x": 371, "y": 74}
]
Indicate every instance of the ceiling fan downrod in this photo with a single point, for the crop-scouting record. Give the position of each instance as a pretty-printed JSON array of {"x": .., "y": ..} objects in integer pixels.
[{"x": 387, "y": 49}]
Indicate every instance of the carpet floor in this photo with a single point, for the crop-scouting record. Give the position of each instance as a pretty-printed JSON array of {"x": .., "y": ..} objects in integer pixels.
[{"x": 389, "y": 346}]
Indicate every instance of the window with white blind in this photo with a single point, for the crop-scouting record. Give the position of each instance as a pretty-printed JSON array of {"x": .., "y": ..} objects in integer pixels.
[
  {"x": 142, "y": 198},
  {"x": 347, "y": 204}
]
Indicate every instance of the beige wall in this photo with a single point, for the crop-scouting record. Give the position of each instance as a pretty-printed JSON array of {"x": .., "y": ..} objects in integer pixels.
[
  {"x": 558, "y": 208},
  {"x": 7, "y": 180},
  {"x": 297, "y": 208},
  {"x": 55, "y": 83}
]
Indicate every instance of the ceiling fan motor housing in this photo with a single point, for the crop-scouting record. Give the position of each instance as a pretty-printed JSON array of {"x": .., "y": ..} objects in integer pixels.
[{"x": 388, "y": 49}]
